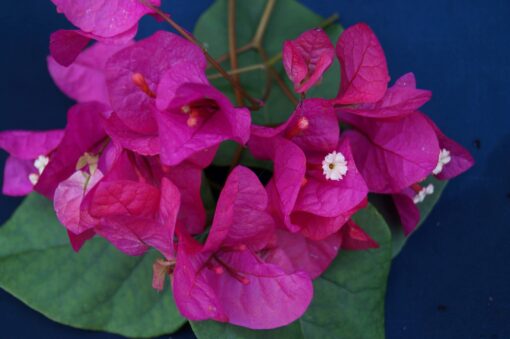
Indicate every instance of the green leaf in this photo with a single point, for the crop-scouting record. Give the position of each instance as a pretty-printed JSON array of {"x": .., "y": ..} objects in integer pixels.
[
  {"x": 99, "y": 288},
  {"x": 348, "y": 300},
  {"x": 385, "y": 206},
  {"x": 211, "y": 29}
]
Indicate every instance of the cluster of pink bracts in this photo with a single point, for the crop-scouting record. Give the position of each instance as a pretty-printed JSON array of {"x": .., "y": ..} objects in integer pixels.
[{"x": 129, "y": 164}]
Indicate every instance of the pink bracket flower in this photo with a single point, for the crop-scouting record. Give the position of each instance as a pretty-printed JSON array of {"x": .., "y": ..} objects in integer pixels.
[
  {"x": 315, "y": 181},
  {"x": 224, "y": 278}
]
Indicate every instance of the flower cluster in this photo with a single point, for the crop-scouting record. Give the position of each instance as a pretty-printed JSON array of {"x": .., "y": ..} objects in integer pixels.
[{"x": 129, "y": 164}]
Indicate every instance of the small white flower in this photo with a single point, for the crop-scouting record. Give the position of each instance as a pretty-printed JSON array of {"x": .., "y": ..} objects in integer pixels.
[
  {"x": 421, "y": 195},
  {"x": 41, "y": 162},
  {"x": 444, "y": 158},
  {"x": 334, "y": 166},
  {"x": 34, "y": 178}
]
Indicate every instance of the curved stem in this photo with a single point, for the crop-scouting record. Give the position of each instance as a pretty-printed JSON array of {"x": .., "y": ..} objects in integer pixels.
[{"x": 232, "y": 50}]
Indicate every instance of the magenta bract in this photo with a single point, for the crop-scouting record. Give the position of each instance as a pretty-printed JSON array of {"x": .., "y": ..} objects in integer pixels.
[
  {"x": 307, "y": 57},
  {"x": 365, "y": 74}
]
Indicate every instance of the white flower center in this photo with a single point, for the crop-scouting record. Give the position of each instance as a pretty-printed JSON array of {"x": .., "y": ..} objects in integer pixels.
[
  {"x": 334, "y": 166},
  {"x": 421, "y": 195},
  {"x": 444, "y": 158}
]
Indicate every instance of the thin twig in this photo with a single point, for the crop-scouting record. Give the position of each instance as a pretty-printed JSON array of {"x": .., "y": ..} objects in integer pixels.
[
  {"x": 274, "y": 73},
  {"x": 232, "y": 50},
  {"x": 241, "y": 70},
  {"x": 264, "y": 20}
]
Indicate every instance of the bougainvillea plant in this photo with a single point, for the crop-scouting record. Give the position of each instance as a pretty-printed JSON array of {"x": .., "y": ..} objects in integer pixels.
[{"x": 236, "y": 168}]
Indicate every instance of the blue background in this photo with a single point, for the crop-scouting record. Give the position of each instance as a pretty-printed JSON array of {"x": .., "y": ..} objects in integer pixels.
[{"x": 452, "y": 279}]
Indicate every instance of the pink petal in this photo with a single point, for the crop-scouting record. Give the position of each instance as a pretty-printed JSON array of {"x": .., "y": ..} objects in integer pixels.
[
  {"x": 269, "y": 298},
  {"x": 66, "y": 45},
  {"x": 306, "y": 58},
  {"x": 134, "y": 216},
  {"x": 85, "y": 80},
  {"x": 178, "y": 74},
  {"x": 407, "y": 210},
  {"x": 393, "y": 154},
  {"x": 28, "y": 145},
  {"x": 241, "y": 217},
  {"x": 106, "y": 19},
  {"x": 125, "y": 197},
  {"x": 364, "y": 70},
  {"x": 78, "y": 240},
  {"x": 400, "y": 100},
  {"x": 141, "y": 143},
  {"x": 16, "y": 172},
  {"x": 330, "y": 198},
  {"x": 294, "y": 252},
  {"x": 322, "y": 131},
  {"x": 289, "y": 172},
  {"x": 188, "y": 178},
  {"x": 355, "y": 238},
  {"x": 150, "y": 58},
  {"x": 179, "y": 141},
  {"x": 69, "y": 196}
]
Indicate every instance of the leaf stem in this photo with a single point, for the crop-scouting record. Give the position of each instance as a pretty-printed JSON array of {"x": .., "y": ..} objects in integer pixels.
[{"x": 241, "y": 70}]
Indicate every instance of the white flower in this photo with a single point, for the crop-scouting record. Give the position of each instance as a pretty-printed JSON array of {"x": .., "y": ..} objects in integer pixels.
[
  {"x": 34, "y": 178},
  {"x": 444, "y": 158},
  {"x": 334, "y": 166},
  {"x": 41, "y": 162},
  {"x": 421, "y": 195}
]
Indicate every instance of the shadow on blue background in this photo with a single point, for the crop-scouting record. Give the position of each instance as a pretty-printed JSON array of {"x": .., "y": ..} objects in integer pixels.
[{"x": 452, "y": 279}]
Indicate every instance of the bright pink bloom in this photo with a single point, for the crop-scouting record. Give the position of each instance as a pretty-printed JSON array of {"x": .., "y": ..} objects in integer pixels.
[
  {"x": 364, "y": 70},
  {"x": 393, "y": 154},
  {"x": 198, "y": 118},
  {"x": 306, "y": 58},
  {"x": 193, "y": 115},
  {"x": 29, "y": 155},
  {"x": 85, "y": 79},
  {"x": 301, "y": 193},
  {"x": 225, "y": 279},
  {"x": 400, "y": 100}
]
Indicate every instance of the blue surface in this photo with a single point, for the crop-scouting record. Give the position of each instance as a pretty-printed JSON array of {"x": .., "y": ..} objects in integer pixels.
[{"x": 452, "y": 279}]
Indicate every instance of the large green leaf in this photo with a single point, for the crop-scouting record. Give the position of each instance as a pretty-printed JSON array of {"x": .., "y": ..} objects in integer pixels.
[
  {"x": 348, "y": 300},
  {"x": 99, "y": 289},
  {"x": 385, "y": 205},
  {"x": 288, "y": 20}
]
